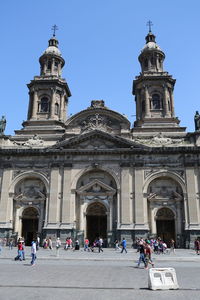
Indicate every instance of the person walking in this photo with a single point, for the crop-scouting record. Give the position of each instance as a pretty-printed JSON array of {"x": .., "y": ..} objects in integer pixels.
[
  {"x": 20, "y": 251},
  {"x": 172, "y": 246},
  {"x": 123, "y": 245},
  {"x": 77, "y": 246},
  {"x": 10, "y": 244},
  {"x": 100, "y": 244},
  {"x": 148, "y": 252},
  {"x": 50, "y": 244},
  {"x": 142, "y": 251},
  {"x": 86, "y": 245},
  {"x": 58, "y": 244},
  {"x": 33, "y": 253},
  {"x": 197, "y": 246},
  {"x": 23, "y": 250},
  {"x": 117, "y": 245}
]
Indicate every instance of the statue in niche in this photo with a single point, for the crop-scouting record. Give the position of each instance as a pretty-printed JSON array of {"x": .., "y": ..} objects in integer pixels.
[
  {"x": 2, "y": 124},
  {"x": 197, "y": 121}
]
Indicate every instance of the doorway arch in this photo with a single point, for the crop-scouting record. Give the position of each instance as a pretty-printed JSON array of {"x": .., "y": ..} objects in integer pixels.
[
  {"x": 96, "y": 221},
  {"x": 165, "y": 224},
  {"x": 30, "y": 220}
]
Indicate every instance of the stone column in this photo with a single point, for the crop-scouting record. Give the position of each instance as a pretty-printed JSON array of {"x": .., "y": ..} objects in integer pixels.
[
  {"x": 153, "y": 220},
  {"x": 166, "y": 108},
  {"x": 139, "y": 201},
  {"x": 147, "y": 106},
  {"x": 35, "y": 105},
  {"x": 172, "y": 102},
  {"x": 138, "y": 106},
  {"x": 126, "y": 208},
  {"x": 65, "y": 107},
  {"x": 45, "y": 68},
  {"x": 179, "y": 217},
  {"x": 193, "y": 205},
  {"x": 52, "y": 66},
  {"x": 53, "y": 93},
  {"x": 54, "y": 199},
  {"x": 62, "y": 105},
  {"x": 66, "y": 203},
  {"x": 6, "y": 202}
]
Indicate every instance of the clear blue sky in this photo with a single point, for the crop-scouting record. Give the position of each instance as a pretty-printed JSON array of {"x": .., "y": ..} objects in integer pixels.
[{"x": 100, "y": 41}]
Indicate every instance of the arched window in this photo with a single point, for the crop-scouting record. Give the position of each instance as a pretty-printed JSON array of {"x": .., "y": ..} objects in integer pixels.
[
  {"x": 156, "y": 102},
  {"x": 56, "y": 109},
  {"x": 44, "y": 105}
]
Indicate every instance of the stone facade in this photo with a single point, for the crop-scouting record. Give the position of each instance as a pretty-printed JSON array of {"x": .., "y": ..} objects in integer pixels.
[{"x": 93, "y": 175}]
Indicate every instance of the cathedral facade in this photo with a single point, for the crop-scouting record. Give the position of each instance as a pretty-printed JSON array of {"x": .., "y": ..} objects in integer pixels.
[{"x": 93, "y": 174}]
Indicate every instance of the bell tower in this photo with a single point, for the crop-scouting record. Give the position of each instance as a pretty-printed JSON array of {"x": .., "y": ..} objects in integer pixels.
[
  {"x": 48, "y": 94},
  {"x": 153, "y": 90}
]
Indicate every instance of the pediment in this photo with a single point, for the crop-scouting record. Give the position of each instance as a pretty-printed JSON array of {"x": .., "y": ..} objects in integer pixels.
[
  {"x": 96, "y": 187},
  {"x": 99, "y": 117},
  {"x": 97, "y": 140}
]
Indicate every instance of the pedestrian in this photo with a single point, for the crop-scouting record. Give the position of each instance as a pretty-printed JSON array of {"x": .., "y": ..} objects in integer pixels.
[
  {"x": 76, "y": 247},
  {"x": 117, "y": 245},
  {"x": 123, "y": 244},
  {"x": 142, "y": 251},
  {"x": 58, "y": 244},
  {"x": 172, "y": 246},
  {"x": 148, "y": 252},
  {"x": 10, "y": 244},
  {"x": 33, "y": 253},
  {"x": 1, "y": 242},
  {"x": 20, "y": 249},
  {"x": 100, "y": 244},
  {"x": 50, "y": 244},
  {"x": 86, "y": 245},
  {"x": 38, "y": 243},
  {"x": 197, "y": 246},
  {"x": 23, "y": 250}
]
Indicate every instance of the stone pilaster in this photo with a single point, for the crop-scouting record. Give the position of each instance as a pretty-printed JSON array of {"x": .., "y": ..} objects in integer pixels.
[
  {"x": 6, "y": 202},
  {"x": 147, "y": 106},
  {"x": 35, "y": 105},
  {"x": 126, "y": 207},
  {"x": 66, "y": 203},
  {"x": 53, "y": 93},
  {"x": 54, "y": 198},
  {"x": 193, "y": 206},
  {"x": 140, "y": 207},
  {"x": 172, "y": 102},
  {"x": 138, "y": 105},
  {"x": 166, "y": 107}
]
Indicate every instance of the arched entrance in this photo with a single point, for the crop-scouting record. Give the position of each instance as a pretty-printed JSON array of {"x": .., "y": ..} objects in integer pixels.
[
  {"x": 165, "y": 224},
  {"x": 29, "y": 224},
  {"x": 96, "y": 220}
]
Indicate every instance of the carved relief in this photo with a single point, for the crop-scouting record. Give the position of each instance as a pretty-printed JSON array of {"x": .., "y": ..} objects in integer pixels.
[
  {"x": 165, "y": 214},
  {"x": 161, "y": 140},
  {"x": 96, "y": 121},
  {"x": 161, "y": 188},
  {"x": 30, "y": 189},
  {"x": 33, "y": 142}
]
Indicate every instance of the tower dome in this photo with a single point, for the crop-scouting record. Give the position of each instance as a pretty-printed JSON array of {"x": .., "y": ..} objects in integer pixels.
[
  {"x": 151, "y": 57},
  {"x": 51, "y": 60},
  {"x": 53, "y": 47}
]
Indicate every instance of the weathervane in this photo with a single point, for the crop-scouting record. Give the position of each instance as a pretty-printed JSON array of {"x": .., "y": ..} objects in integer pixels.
[
  {"x": 54, "y": 28},
  {"x": 150, "y": 24}
]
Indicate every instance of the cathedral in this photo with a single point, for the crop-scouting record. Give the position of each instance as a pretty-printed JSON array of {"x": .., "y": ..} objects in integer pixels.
[{"x": 93, "y": 174}]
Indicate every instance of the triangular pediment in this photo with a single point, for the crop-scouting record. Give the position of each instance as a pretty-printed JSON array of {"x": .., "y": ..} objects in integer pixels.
[
  {"x": 96, "y": 187},
  {"x": 97, "y": 140}
]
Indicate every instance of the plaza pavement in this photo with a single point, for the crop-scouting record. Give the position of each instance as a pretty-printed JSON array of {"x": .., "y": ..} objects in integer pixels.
[{"x": 86, "y": 275}]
